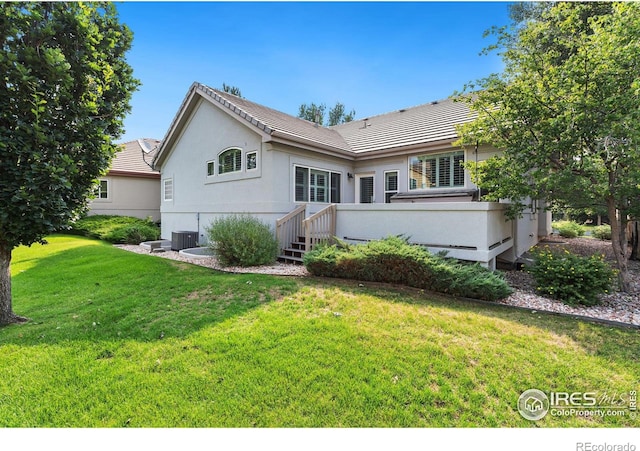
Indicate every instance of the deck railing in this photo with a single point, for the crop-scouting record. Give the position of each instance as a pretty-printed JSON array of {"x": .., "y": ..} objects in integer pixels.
[
  {"x": 290, "y": 227},
  {"x": 320, "y": 227}
]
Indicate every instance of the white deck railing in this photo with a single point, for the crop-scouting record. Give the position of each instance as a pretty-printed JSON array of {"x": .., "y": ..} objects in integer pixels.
[
  {"x": 320, "y": 227},
  {"x": 290, "y": 227},
  {"x": 475, "y": 231}
]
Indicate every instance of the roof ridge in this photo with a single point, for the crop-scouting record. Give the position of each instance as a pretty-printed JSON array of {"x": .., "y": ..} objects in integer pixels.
[
  {"x": 223, "y": 95},
  {"x": 221, "y": 98},
  {"x": 272, "y": 121},
  {"x": 400, "y": 110}
]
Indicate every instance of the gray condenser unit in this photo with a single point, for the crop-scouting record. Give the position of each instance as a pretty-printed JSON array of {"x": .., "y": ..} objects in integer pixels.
[{"x": 183, "y": 240}]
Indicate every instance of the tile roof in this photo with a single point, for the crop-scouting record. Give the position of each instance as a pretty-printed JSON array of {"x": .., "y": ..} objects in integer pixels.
[
  {"x": 428, "y": 123},
  {"x": 423, "y": 124},
  {"x": 275, "y": 122},
  {"x": 130, "y": 160}
]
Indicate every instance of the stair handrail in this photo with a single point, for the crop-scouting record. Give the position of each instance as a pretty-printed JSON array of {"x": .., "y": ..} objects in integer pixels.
[
  {"x": 290, "y": 227},
  {"x": 320, "y": 226}
]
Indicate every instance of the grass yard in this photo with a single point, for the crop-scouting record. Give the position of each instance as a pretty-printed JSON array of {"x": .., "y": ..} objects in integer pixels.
[{"x": 118, "y": 339}]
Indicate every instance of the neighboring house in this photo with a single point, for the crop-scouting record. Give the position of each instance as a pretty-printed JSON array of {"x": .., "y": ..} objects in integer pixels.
[
  {"x": 131, "y": 187},
  {"x": 396, "y": 173}
]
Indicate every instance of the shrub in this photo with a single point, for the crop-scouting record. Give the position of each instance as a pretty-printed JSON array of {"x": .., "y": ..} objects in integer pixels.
[
  {"x": 602, "y": 232},
  {"x": 569, "y": 229},
  {"x": 570, "y": 278},
  {"x": 116, "y": 229},
  {"x": 133, "y": 234},
  {"x": 242, "y": 240},
  {"x": 394, "y": 260}
]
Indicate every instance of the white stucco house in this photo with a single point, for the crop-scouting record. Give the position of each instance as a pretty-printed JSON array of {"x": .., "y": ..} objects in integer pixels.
[
  {"x": 396, "y": 173},
  {"x": 130, "y": 187}
]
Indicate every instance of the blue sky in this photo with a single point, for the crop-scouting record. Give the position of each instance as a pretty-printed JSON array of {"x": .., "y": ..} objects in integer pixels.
[{"x": 375, "y": 57}]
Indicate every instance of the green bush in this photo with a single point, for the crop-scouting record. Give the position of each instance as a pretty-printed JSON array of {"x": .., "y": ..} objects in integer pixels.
[
  {"x": 393, "y": 260},
  {"x": 570, "y": 278},
  {"x": 133, "y": 234},
  {"x": 569, "y": 229},
  {"x": 116, "y": 229},
  {"x": 602, "y": 232},
  {"x": 242, "y": 240}
]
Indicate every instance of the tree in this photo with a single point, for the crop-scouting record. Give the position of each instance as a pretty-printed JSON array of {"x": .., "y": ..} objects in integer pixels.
[
  {"x": 312, "y": 113},
  {"x": 234, "y": 90},
  {"x": 316, "y": 113},
  {"x": 337, "y": 115},
  {"x": 64, "y": 93},
  {"x": 566, "y": 112}
]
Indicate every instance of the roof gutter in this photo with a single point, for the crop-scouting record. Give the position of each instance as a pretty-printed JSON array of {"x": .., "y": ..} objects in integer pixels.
[
  {"x": 442, "y": 144},
  {"x": 298, "y": 141}
]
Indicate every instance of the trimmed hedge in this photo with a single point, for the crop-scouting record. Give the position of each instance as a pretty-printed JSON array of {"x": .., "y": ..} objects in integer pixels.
[
  {"x": 394, "y": 260},
  {"x": 116, "y": 229},
  {"x": 242, "y": 240}
]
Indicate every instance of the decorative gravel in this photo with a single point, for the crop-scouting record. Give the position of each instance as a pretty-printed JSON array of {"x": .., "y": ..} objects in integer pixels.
[
  {"x": 279, "y": 269},
  {"x": 616, "y": 306}
]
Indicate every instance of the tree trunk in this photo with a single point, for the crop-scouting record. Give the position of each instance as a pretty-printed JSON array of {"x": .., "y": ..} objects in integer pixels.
[
  {"x": 619, "y": 244},
  {"x": 6, "y": 311},
  {"x": 634, "y": 233}
]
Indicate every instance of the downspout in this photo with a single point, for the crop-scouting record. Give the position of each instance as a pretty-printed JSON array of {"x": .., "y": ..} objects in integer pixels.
[
  {"x": 198, "y": 219},
  {"x": 479, "y": 190}
]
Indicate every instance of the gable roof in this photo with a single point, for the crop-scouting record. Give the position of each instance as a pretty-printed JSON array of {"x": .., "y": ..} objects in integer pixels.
[
  {"x": 276, "y": 123},
  {"x": 425, "y": 124},
  {"x": 130, "y": 160}
]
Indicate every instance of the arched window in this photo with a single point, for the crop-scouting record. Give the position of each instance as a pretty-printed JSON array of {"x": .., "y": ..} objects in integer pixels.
[{"x": 230, "y": 161}]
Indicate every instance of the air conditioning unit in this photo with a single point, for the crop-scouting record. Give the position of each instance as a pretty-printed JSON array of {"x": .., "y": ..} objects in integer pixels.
[{"x": 183, "y": 240}]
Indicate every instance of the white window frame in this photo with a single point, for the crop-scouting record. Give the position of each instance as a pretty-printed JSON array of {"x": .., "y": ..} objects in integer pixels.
[
  {"x": 220, "y": 166},
  {"x": 213, "y": 167},
  {"x": 167, "y": 183},
  {"x": 246, "y": 161},
  {"x": 328, "y": 188},
  {"x": 436, "y": 157},
  {"x": 372, "y": 175},
  {"x": 99, "y": 190},
  {"x": 388, "y": 191}
]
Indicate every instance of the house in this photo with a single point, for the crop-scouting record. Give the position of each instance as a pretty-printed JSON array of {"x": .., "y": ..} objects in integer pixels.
[
  {"x": 396, "y": 173},
  {"x": 130, "y": 187}
]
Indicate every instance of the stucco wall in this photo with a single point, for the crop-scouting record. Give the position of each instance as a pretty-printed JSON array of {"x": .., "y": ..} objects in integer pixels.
[
  {"x": 473, "y": 231},
  {"x": 129, "y": 196},
  {"x": 266, "y": 192}
]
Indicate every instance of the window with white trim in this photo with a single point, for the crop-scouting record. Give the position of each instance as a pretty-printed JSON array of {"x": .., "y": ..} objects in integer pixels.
[
  {"x": 443, "y": 170},
  {"x": 211, "y": 168},
  {"x": 390, "y": 185},
  {"x": 167, "y": 189},
  {"x": 315, "y": 185},
  {"x": 230, "y": 161},
  {"x": 252, "y": 161},
  {"x": 102, "y": 190}
]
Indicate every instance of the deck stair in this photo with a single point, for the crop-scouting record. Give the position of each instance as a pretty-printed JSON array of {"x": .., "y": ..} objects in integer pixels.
[
  {"x": 294, "y": 253},
  {"x": 296, "y": 233}
]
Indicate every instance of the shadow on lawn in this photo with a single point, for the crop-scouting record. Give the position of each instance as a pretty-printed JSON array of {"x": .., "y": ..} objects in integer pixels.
[{"x": 100, "y": 293}]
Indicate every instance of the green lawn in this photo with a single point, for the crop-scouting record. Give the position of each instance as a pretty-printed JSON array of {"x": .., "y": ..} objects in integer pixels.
[{"x": 119, "y": 339}]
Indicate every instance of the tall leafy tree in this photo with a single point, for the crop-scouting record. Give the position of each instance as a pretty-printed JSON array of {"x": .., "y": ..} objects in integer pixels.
[
  {"x": 234, "y": 90},
  {"x": 316, "y": 113},
  {"x": 312, "y": 112},
  {"x": 566, "y": 112},
  {"x": 338, "y": 115},
  {"x": 64, "y": 92}
]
